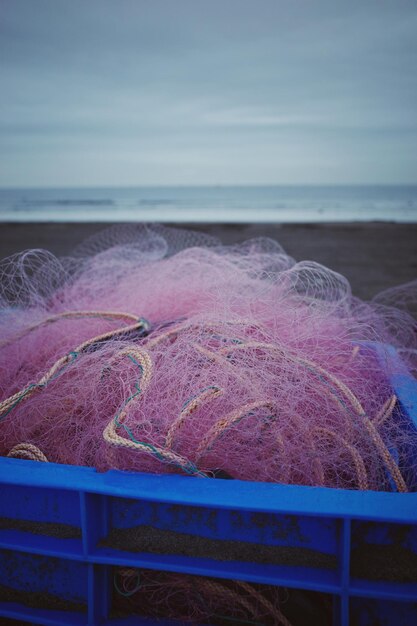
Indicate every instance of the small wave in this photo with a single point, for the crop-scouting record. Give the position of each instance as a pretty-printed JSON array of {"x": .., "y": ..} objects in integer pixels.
[
  {"x": 155, "y": 202},
  {"x": 24, "y": 204}
]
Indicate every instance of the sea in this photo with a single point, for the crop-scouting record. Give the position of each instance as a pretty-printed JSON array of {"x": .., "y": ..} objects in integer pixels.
[{"x": 222, "y": 204}]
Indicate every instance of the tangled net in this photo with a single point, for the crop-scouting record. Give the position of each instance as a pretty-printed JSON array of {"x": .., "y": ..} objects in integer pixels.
[
  {"x": 158, "y": 350},
  {"x": 223, "y": 602}
]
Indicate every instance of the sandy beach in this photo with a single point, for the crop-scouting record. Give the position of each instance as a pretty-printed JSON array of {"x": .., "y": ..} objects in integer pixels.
[{"x": 372, "y": 255}]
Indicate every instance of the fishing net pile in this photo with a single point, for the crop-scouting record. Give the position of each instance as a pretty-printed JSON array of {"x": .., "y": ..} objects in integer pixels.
[
  {"x": 197, "y": 599},
  {"x": 158, "y": 350}
]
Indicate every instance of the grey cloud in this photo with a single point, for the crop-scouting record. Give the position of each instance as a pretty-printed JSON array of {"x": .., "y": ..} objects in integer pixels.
[{"x": 261, "y": 90}]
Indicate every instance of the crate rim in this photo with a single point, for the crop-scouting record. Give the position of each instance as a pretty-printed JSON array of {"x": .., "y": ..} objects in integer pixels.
[{"x": 219, "y": 493}]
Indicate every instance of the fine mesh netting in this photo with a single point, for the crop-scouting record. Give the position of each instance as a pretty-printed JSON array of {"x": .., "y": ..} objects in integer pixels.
[
  {"x": 159, "y": 350},
  {"x": 222, "y": 602}
]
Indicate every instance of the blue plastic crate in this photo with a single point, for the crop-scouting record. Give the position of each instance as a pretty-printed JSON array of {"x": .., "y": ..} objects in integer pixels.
[{"x": 63, "y": 529}]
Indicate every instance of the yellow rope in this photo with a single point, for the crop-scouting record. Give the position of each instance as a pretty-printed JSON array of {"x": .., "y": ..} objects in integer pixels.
[
  {"x": 317, "y": 464},
  {"x": 385, "y": 411},
  {"x": 360, "y": 468},
  {"x": 212, "y": 356},
  {"x": 68, "y": 315},
  {"x": 370, "y": 427},
  {"x": 217, "y": 589},
  {"x": 127, "y": 572},
  {"x": 151, "y": 343},
  {"x": 390, "y": 464},
  {"x": 225, "y": 422},
  {"x": 27, "y": 451},
  {"x": 144, "y": 360},
  {"x": 273, "y": 611},
  {"x": 207, "y": 394},
  {"x": 354, "y": 354},
  {"x": 24, "y": 394},
  {"x": 281, "y": 446},
  {"x": 113, "y": 438},
  {"x": 309, "y": 364}
]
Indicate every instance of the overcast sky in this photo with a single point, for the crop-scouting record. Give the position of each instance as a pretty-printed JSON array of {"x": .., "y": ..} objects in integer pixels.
[{"x": 148, "y": 92}]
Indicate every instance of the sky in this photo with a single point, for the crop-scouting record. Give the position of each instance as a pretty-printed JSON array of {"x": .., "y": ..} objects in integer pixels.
[{"x": 212, "y": 92}]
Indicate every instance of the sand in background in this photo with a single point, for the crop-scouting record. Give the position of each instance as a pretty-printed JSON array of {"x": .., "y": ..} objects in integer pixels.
[{"x": 373, "y": 256}]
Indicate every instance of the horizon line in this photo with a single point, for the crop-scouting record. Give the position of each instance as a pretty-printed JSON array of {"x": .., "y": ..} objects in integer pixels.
[{"x": 201, "y": 185}]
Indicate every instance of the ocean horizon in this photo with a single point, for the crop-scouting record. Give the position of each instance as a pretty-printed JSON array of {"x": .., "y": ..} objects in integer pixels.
[{"x": 223, "y": 204}]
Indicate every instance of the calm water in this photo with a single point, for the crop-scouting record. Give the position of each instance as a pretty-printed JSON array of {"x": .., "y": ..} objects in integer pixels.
[{"x": 212, "y": 204}]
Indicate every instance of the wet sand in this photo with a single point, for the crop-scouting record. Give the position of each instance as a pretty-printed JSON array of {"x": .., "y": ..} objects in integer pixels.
[{"x": 373, "y": 256}]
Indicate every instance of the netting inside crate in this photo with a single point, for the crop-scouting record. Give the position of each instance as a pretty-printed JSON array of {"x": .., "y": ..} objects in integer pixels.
[
  {"x": 159, "y": 350},
  {"x": 220, "y": 602}
]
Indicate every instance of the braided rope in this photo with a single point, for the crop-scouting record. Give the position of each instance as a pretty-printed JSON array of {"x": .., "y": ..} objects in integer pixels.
[
  {"x": 360, "y": 468},
  {"x": 217, "y": 589},
  {"x": 317, "y": 464},
  {"x": 127, "y": 571},
  {"x": 127, "y": 575},
  {"x": 151, "y": 343},
  {"x": 110, "y": 435},
  {"x": 68, "y": 315},
  {"x": 191, "y": 406},
  {"x": 142, "y": 359},
  {"x": 386, "y": 456},
  {"x": 211, "y": 356},
  {"x": 24, "y": 394},
  {"x": 354, "y": 354},
  {"x": 281, "y": 446},
  {"x": 349, "y": 395},
  {"x": 273, "y": 611},
  {"x": 222, "y": 360},
  {"x": 225, "y": 422},
  {"x": 374, "y": 435},
  {"x": 385, "y": 411},
  {"x": 27, "y": 451}
]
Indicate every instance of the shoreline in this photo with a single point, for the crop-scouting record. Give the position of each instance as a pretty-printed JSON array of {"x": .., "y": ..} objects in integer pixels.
[
  {"x": 235, "y": 217},
  {"x": 372, "y": 255}
]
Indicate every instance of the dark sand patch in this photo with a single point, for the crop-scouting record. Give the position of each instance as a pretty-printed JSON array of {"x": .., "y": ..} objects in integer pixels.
[
  {"x": 49, "y": 529},
  {"x": 39, "y": 600},
  {"x": 153, "y": 540}
]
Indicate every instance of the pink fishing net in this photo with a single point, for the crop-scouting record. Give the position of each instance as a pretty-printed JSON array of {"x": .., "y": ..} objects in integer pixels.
[
  {"x": 160, "y": 350},
  {"x": 196, "y": 599}
]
